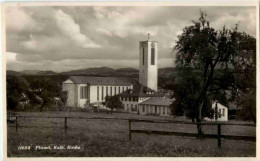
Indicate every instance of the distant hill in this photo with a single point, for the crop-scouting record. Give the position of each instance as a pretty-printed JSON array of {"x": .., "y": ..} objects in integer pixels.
[
  {"x": 11, "y": 72},
  {"x": 29, "y": 72},
  {"x": 46, "y": 73},
  {"x": 126, "y": 72},
  {"x": 166, "y": 71},
  {"x": 90, "y": 71},
  {"x": 98, "y": 71}
]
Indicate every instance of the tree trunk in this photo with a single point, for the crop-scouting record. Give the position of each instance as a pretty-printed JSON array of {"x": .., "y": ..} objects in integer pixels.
[
  {"x": 41, "y": 107},
  {"x": 198, "y": 119}
]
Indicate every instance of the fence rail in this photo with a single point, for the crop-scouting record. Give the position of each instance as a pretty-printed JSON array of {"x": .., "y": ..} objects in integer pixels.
[
  {"x": 214, "y": 136},
  {"x": 217, "y": 136}
]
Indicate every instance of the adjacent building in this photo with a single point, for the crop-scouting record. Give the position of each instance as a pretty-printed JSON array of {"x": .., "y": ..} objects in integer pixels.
[
  {"x": 155, "y": 105},
  {"x": 220, "y": 112}
]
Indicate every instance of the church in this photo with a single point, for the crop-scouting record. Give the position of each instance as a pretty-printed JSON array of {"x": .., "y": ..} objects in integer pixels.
[{"x": 139, "y": 97}]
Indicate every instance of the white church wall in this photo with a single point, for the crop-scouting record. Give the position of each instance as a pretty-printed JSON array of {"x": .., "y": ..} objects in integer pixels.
[
  {"x": 152, "y": 70},
  {"x": 148, "y": 73},
  {"x": 81, "y": 101},
  {"x": 96, "y": 92},
  {"x": 93, "y": 94}
]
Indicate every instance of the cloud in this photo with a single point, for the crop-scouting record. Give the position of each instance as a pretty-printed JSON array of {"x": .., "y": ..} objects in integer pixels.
[
  {"x": 10, "y": 57},
  {"x": 68, "y": 26},
  {"x": 104, "y": 32},
  {"x": 70, "y": 37},
  {"x": 17, "y": 20},
  {"x": 70, "y": 64}
]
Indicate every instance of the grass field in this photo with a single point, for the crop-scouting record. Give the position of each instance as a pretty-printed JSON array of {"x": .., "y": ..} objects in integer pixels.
[{"x": 100, "y": 138}]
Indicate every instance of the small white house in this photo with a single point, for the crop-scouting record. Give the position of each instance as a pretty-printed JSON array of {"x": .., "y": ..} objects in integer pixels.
[{"x": 220, "y": 112}]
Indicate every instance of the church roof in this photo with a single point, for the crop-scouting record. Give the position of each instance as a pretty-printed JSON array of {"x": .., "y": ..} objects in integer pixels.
[
  {"x": 157, "y": 101},
  {"x": 140, "y": 91},
  {"x": 102, "y": 80}
]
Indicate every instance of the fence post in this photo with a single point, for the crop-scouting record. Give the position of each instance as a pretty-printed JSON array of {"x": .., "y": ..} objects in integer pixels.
[
  {"x": 219, "y": 135},
  {"x": 65, "y": 126},
  {"x": 16, "y": 123},
  {"x": 129, "y": 126}
]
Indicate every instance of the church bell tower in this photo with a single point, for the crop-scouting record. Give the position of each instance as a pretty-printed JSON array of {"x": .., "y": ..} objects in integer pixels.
[{"x": 148, "y": 63}]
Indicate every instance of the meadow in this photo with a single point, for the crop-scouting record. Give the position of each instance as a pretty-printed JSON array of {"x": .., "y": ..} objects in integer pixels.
[{"x": 109, "y": 138}]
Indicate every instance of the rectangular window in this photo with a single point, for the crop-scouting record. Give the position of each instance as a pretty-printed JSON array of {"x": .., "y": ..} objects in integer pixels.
[
  {"x": 143, "y": 56},
  {"x": 98, "y": 93},
  {"x": 83, "y": 92},
  {"x": 115, "y": 90},
  {"x": 123, "y": 89},
  {"x": 223, "y": 112},
  {"x": 106, "y": 91},
  {"x": 163, "y": 110},
  {"x": 118, "y": 89},
  {"x": 102, "y": 93},
  {"x": 152, "y": 56},
  {"x": 110, "y": 91}
]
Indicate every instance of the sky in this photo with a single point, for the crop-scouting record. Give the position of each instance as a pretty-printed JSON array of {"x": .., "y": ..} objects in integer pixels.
[{"x": 64, "y": 38}]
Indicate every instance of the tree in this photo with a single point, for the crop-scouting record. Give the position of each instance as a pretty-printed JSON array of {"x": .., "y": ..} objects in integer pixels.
[
  {"x": 186, "y": 90},
  {"x": 64, "y": 97},
  {"x": 113, "y": 102},
  {"x": 203, "y": 48},
  {"x": 16, "y": 87},
  {"x": 43, "y": 89}
]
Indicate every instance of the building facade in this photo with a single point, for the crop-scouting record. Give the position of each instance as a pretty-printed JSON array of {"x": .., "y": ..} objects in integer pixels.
[
  {"x": 83, "y": 91},
  {"x": 157, "y": 106},
  {"x": 220, "y": 112},
  {"x": 133, "y": 97}
]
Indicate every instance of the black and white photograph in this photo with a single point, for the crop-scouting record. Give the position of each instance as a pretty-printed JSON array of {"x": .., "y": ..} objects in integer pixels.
[{"x": 129, "y": 79}]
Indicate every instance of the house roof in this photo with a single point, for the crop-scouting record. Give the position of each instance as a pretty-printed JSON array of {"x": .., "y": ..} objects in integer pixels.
[
  {"x": 219, "y": 103},
  {"x": 157, "y": 101},
  {"x": 102, "y": 80},
  {"x": 140, "y": 91}
]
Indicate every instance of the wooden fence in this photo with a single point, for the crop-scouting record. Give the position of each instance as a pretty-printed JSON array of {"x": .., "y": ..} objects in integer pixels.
[{"x": 217, "y": 136}]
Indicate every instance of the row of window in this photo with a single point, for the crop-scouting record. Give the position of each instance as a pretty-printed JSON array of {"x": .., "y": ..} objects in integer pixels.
[
  {"x": 107, "y": 91},
  {"x": 156, "y": 109},
  {"x": 134, "y": 99},
  {"x": 152, "y": 56}
]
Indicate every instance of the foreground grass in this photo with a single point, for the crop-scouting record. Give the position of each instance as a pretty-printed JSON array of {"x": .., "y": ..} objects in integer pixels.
[{"x": 98, "y": 138}]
